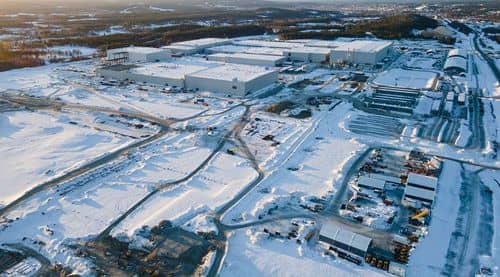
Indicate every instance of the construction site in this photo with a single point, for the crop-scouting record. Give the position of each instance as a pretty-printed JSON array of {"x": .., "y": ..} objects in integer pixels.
[{"x": 385, "y": 210}]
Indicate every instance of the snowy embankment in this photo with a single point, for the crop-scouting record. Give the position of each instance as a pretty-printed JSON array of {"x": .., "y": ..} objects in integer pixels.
[
  {"x": 491, "y": 179},
  {"x": 464, "y": 134},
  {"x": 429, "y": 257}
]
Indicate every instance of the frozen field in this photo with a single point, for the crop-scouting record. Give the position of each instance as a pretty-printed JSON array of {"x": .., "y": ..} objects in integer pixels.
[
  {"x": 27, "y": 78},
  {"x": 85, "y": 206},
  {"x": 40, "y": 146},
  {"x": 212, "y": 187}
]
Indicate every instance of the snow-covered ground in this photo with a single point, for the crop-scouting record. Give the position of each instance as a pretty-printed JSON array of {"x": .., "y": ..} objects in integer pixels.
[
  {"x": 83, "y": 207},
  {"x": 252, "y": 254},
  {"x": 26, "y": 78},
  {"x": 284, "y": 131},
  {"x": 429, "y": 257},
  {"x": 37, "y": 146},
  {"x": 491, "y": 180},
  {"x": 313, "y": 169},
  {"x": 212, "y": 187}
]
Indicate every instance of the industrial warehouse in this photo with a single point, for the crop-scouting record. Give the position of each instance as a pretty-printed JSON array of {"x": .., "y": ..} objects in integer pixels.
[
  {"x": 396, "y": 202},
  {"x": 236, "y": 80},
  {"x": 233, "y": 67}
]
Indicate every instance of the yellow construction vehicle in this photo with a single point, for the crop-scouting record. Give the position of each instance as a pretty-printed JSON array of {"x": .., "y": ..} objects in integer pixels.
[{"x": 421, "y": 214}]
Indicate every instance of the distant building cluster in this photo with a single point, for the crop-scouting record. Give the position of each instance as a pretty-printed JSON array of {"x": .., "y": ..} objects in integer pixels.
[{"x": 236, "y": 67}]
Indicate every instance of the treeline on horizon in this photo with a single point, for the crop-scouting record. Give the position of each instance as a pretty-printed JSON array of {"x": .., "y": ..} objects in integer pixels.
[
  {"x": 390, "y": 27},
  {"x": 162, "y": 36}
]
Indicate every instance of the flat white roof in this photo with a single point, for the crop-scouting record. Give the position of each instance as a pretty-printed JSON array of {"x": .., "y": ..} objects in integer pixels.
[
  {"x": 136, "y": 49},
  {"x": 167, "y": 70},
  {"x": 202, "y": 42},
  {"x": 228, "y": 48},
  {"x": 422, "y": 180},
  {"x": 371, "y": 182},
  {"x": 402, "y": 78},
  {"x": 178, "y": 47},
  {"x": 250, "y": 56},
  {"x": 364, "y": 45},
  {"x": 264, "y": 51},
  {"x": 386, "y": 178},
  {"x": 312, "y": 50},
  {"x": 423, "y": 194},
  {"x": 318, "y": 43},
  {"x": 269, "y": 43},
  {"x": 230, "y": 72},
  {"x": 346, "y": 237}
]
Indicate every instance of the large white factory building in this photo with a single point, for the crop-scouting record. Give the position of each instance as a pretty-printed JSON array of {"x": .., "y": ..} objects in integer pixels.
[
  {"x": 138, "y": 54},
  {"x": 361, "y": 51},
  {"x": 235, "y": 79},
  {"x": 236, "y": 67}
]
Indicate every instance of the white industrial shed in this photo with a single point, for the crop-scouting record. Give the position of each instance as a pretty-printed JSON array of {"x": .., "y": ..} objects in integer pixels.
[
  {"x": 308, "y": 54},
  {"x": 138, "y": 54},
  {"x": 457, "y": 52},
  {"x": 345, "y": 240},
  {"x": 420, "y": 188},
  {"x": 419, "y": 180},
  {"x": 371, "y": 183},
  {"x": 249, "y": 59},
  {"x": 232, "y": 79},
  {"x": 361, "y": 51},
  {"x": 455, "y": 64},
  {"x": 386, "y": 178}
]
